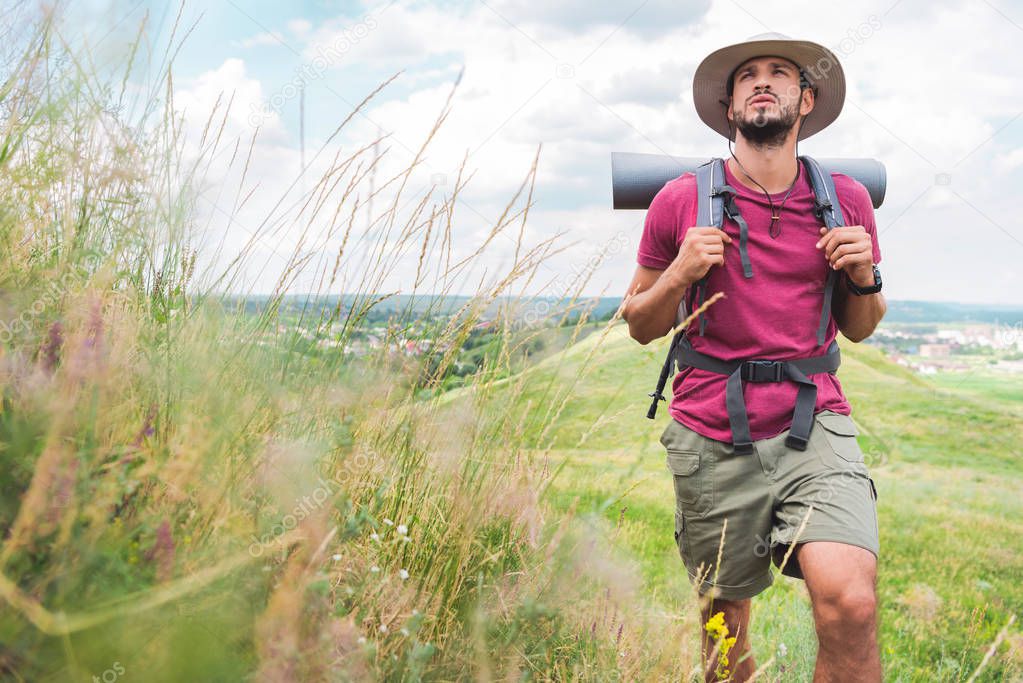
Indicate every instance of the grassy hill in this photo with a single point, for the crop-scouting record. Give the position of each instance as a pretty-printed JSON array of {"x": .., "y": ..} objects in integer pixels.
[
  {"x": 948, "y": 470},
  {"x": 189, "y": 493}
]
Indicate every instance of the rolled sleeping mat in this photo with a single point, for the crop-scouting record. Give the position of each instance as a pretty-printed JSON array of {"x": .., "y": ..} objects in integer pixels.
[{"x": 636, "y": 178}]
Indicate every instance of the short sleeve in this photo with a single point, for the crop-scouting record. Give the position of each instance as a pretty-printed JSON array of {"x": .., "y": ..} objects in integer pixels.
[
  {"x": 858, "y": 208},
  {"x": 665, "y": 225}
]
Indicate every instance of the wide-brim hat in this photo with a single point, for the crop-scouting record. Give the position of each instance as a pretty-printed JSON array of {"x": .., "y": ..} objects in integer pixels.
[{"x": 819, "y": 64}]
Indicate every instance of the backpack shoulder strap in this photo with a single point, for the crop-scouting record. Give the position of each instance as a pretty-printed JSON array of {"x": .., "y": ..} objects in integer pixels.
[
  {"x": 710, "y": 205},
  {"x": 829, "y": 211},
  {"x": 710, "y": 211},
  {"x": 824, "y": 193}
]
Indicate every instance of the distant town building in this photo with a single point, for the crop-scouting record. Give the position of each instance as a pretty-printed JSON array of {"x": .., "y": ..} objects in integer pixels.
[
  {"x": 935, "y": 350},
  {"x": 954, "y": 335}
]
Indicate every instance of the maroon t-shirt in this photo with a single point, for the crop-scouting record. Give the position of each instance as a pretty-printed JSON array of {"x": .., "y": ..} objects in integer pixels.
[{"x": 772, "y": 315}]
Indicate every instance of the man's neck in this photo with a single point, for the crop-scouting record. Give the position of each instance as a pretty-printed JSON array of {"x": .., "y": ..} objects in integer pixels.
[{"x": 772, "y": 167}]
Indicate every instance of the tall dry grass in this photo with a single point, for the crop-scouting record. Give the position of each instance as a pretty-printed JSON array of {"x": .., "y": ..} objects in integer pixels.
[{"x": 189, "y": 493}]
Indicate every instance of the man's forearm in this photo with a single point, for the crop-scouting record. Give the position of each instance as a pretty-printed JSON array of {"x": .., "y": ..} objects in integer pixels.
[
  {"x": 651, "y": 313},
  {"x": 857, "y": 316}
]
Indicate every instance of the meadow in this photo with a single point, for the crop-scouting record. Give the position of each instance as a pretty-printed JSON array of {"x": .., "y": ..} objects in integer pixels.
[
  {"x": 947, "y": 467},
  {"x": 188, "y": 493}
]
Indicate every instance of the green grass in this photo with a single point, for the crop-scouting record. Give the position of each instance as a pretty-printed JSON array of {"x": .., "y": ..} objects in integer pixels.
[
  {"x": 984, "y": 385},
  {"x": 950, "y": 511}
]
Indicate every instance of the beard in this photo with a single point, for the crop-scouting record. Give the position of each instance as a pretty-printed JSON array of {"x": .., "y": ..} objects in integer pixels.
[{"x": 763, "y": 129}]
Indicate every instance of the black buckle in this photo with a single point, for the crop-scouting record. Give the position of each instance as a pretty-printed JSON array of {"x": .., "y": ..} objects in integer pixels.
[
  {"x": 728, "y": 206},
  {"x": 796, "y": 442},
  {"x": 742, "y": 448},
  {"x": 763, "y": 370},
  {"x": 652, "y": 410},
  {"x": 820, "y": 207}
]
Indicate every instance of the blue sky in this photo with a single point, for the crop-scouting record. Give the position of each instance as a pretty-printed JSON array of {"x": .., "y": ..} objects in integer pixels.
[{"x": 934, "y": 91}]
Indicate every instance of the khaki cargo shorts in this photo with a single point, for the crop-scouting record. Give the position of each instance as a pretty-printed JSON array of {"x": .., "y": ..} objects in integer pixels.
[{"x": 764, "y": 497}]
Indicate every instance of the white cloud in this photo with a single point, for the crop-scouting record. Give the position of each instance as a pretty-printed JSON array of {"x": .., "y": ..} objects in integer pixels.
[
  {"x": 228, "y": 81},
  {"x": 228, "y": 91},
  {"x": 1009, "y": 161},
  {"x": 648, "y": 19},
  {"x": 300, "y": 27},
  {"x": 394, "y": 36},
  {"x": 657, "y": 86}
]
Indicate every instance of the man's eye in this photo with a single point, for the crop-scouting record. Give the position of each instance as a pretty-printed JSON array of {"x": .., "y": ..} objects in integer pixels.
[
  {"x": 779, "y": 71},
  {"x": 744, "y": 75}
]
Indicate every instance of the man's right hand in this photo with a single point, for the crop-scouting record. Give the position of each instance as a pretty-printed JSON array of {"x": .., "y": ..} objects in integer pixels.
[
  {"x": 701, "y": 248},
  {"x": 654, "y": 295}
]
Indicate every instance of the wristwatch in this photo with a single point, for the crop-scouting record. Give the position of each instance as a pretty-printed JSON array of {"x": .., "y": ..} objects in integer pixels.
[{"x": 870, "y": 289}]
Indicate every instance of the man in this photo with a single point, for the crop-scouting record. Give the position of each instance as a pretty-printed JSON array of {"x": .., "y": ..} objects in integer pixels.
[{"x": 766, "y": 94}]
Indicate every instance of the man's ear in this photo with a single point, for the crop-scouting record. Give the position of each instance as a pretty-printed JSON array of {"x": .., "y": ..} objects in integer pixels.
[
  {"x": 807, "y": 101},
  {"x": 728, "y": 111}
]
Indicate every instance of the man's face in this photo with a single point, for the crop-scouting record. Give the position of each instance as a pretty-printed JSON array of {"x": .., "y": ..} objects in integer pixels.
[{"x": 767, "y": 101}]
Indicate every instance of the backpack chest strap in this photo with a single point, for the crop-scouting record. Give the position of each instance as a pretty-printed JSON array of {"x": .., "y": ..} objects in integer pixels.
[{"x": 764, "y": 370}]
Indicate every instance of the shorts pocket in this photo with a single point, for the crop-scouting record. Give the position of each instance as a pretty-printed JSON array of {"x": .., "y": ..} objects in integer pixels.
[
  {"x": 682, "y": 538},
  {"x": 840, "y": 432},
  {"x": 690, "y": 464},
  {"x": 689, "y": 472},
  {"x": 685, "y": 466}
]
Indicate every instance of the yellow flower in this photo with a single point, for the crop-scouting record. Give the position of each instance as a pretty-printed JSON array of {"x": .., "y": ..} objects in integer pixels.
[
  {"x": 717, "y": 623},
  {"x": 718, "y": 630}
]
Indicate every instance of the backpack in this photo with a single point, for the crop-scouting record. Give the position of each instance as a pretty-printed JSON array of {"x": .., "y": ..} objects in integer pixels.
[{"x": 715, "y": 200}]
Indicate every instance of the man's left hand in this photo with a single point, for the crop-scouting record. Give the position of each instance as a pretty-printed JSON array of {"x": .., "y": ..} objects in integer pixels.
[{"x": 849, "y": 248}]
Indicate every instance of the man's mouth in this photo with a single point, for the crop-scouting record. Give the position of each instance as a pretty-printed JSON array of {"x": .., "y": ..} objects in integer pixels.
[{"x": 763, "y": 99}]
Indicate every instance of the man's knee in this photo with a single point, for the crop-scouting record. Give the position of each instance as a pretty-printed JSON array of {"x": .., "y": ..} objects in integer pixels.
[{"x": 845, "y": 608}]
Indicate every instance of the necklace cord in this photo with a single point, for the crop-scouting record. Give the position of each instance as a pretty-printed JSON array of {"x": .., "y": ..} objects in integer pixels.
[{"x": 775, "y": 216}]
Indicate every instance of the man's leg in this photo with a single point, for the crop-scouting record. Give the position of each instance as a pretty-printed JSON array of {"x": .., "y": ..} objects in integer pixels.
[
  {"x": 842, "y": 579},
  {"x": 737, "y": 618},
  {"x": 829, "y": 510},
  {"x": 723, "y": 511}
]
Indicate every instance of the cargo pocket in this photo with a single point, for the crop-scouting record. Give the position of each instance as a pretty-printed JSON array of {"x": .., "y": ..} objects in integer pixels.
[
  {"x": 689, "y": 463},
  {"x": 691, "y": 492},
  {"x": 840, "y": 432},
  {"x": 682, "y": 538}
]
